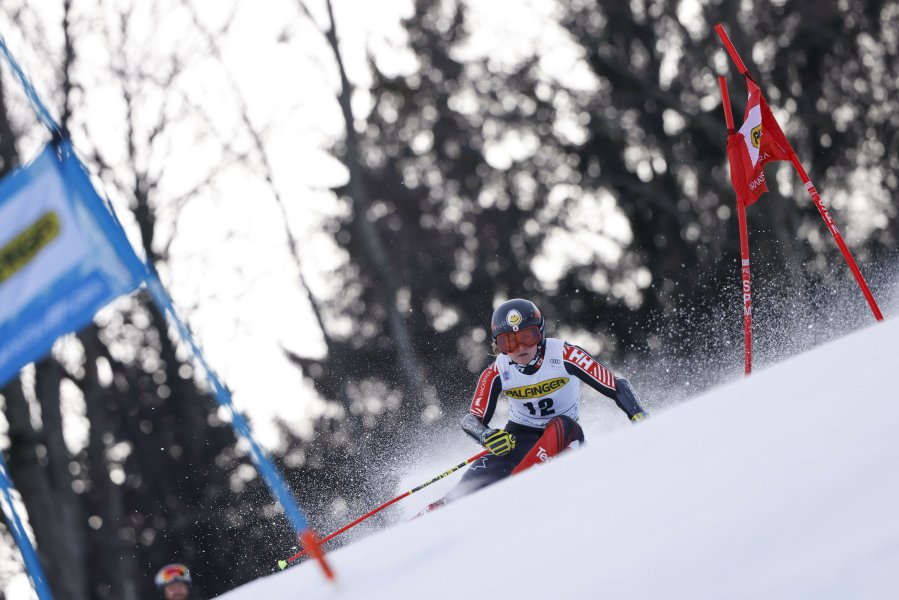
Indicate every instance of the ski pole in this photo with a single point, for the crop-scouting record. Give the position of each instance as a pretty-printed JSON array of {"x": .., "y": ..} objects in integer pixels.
[{"x": 283, "y": 563}]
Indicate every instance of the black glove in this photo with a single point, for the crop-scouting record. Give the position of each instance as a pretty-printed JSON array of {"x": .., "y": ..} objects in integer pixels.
[{"x": 498, "y": 441}]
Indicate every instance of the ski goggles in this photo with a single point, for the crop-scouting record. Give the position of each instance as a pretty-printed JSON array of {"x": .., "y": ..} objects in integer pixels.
[
  {"x": 529, "y": 336},
  {"x": 171, "y": 573}
]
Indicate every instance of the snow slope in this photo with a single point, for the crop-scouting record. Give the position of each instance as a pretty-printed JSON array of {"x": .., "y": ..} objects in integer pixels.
[{"x": 783, "y": 485}]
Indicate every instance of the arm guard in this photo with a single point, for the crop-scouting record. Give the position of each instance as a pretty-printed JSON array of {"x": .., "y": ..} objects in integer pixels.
[{"x": 473, "y": 427}]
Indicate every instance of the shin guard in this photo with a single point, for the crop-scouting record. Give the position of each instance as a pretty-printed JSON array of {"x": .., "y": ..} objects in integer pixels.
[{"x": 560, "y": 433}]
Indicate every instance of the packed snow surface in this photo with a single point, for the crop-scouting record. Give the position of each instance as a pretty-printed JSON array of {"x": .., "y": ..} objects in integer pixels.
[{"x": 782, "y": 485}]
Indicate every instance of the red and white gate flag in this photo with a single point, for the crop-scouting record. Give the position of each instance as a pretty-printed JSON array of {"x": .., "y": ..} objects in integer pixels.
[{"x": 759, "y": 141}]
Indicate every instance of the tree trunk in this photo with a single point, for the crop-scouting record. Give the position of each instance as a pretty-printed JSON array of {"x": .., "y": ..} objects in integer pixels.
[
  {"x": 385, "y": 283},
  {"x": 108, "y": 497},
  {"x": 29, "y": 477},
  {"x": 67, "y": 555},
  {"x": 9, "y": 155}
]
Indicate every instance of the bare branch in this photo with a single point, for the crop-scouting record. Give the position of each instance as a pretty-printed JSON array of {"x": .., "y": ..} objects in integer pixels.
[
  {"x": 305, "y": 10},
  {"x": 267, "y": 171}
]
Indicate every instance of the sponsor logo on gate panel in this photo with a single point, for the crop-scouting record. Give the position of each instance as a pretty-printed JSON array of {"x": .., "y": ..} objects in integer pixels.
[{"x": 25, "y": 246}]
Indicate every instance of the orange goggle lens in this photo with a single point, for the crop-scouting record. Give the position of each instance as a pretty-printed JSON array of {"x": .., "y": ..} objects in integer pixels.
[
  {"x": 171, "y": 573},
  {"x": 507, "y": 342}
]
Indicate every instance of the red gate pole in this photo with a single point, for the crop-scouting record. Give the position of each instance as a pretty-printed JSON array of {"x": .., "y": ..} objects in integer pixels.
[
  {"x": 746, "y": 283},
  {"x": 819, "y": 203},
  {"x": 746, "y": 290},
  {"x": 313, "y": 548}
]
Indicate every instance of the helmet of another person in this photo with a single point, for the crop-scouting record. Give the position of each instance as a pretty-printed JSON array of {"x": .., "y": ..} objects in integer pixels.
[{"x": 171, "y": 573}]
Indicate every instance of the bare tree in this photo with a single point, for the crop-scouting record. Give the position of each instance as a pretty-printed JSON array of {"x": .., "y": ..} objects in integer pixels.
[
  {"x": 39, "y": 456},
  {"x": 386, "y": 283}
]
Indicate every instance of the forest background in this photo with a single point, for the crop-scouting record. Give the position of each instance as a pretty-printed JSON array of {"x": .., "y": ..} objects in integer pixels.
[{"x": 338, "y": 192}]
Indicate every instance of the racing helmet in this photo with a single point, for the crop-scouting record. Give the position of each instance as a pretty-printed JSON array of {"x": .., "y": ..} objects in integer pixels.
[{"x": 514, "y": 318}]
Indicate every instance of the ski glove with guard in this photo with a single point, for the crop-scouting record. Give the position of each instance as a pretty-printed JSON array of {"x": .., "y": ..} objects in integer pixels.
[{"x": 498, "y": 441}]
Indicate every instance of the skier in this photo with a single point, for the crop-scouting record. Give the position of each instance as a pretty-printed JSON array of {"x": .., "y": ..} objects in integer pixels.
[
  {"x": 173, "y": 582},
  {"x": 541, "y": 377}
]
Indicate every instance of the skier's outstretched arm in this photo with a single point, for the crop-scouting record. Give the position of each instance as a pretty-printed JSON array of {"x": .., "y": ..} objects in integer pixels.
[
  {"x": 579, "y": 363},
  {"x": 627, "y": 400}
]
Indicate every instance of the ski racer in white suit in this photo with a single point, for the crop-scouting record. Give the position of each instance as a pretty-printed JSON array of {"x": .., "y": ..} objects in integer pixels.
[{"x": 541, "y": 378}]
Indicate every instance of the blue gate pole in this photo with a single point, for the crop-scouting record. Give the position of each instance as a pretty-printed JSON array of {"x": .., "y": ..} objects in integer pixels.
[
  {"x": 42, "y": 113},
  {"x": 32, "y": 563},
  {"x": 263, "y": 464},
  {"x": 222, "y": 396}
]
